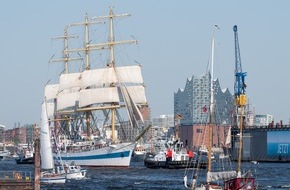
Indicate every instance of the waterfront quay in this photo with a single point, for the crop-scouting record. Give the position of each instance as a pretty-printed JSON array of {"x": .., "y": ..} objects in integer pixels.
[
  {"x": 263, "y": 143},
  {"x": 16, "y": 180}
]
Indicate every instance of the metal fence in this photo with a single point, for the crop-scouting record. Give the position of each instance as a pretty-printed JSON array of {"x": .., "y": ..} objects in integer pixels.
[{"x": 17, "y": 175}]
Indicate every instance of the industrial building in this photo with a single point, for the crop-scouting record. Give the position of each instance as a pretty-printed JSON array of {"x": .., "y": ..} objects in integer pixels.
[{"x": 263, "y": 144}]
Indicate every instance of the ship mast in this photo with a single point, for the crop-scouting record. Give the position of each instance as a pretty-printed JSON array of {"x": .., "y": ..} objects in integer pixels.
[
  {"x": 111, "y": 45},
  {"x": 101, "y": 46},
  {"x": 87, "y": 65},
  {"x": 211, "y": 106},
  {"x": 87, "y": 43},
  {"x": 65, "y": 57},
  {"x": 65, "y": 54}
]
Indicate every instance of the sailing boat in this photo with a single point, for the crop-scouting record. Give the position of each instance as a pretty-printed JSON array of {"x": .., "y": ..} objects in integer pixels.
[
  {"x": 111, "y": 94},
  {"x": 48, "y": 174},
  {"x": 211, "y": 176}
]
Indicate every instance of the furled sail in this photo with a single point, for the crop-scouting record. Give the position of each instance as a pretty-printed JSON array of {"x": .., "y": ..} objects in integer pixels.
[
  {"x": 45, "y": 141},
  {"x": 214, "y": 176}
]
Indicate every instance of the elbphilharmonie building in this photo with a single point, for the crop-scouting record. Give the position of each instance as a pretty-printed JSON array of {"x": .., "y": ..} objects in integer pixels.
[{"x": 192, "y": 105}]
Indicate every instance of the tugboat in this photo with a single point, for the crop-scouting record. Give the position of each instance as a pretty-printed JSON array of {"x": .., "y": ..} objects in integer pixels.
[
  {"x": 27, "y": 157},
  {"x": 174, "y": 157}
]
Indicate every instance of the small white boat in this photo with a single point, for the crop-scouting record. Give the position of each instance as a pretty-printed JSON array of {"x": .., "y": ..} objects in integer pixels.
[
  {"x": 254, "y": 162},
  {"x": 75, "y": 172},
  {"x": 5, "y": 154},
  {"x": 47, "y": 177},
  {"x": 72, "y": 171}
]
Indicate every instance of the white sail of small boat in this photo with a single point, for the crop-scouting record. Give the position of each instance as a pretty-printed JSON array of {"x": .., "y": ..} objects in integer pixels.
[
  {"x": 228, "y": 138},
  {"x": 45, "y": 142},
  {"x": 226, "y": 145},
  {"x": 69, "y": 171},
  {"x": 48, "y": 174},
  {"x": 111, "y": 94}
]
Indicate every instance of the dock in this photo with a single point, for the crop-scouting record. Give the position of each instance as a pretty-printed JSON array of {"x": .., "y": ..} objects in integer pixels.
[
  {"x": 16, "y": 180},
  {"x": 22, "y": 180}
]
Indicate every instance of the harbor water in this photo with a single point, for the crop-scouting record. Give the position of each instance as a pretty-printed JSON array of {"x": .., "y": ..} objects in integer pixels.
[{"x": 270, "y": 176}]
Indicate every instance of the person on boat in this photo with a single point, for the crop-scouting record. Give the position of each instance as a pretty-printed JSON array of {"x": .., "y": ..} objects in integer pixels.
[
  {"x": 169, "y": 155},
  {"x": 190, "y": 154},
  {"x": 17, "y": 175}
]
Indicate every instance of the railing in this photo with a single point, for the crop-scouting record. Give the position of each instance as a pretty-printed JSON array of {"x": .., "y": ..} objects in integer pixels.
[
  {"x": 265, "y": 128},
  {"x": 17, "y": 175}
]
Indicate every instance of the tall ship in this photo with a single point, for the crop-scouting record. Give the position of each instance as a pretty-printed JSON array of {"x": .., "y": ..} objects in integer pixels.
[{"x": 93, "y": 111}]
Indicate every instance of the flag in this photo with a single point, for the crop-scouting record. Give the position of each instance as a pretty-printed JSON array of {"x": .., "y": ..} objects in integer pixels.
[
  {"x": 178, "y": 116},
  {"x": 204, "y": 109}
]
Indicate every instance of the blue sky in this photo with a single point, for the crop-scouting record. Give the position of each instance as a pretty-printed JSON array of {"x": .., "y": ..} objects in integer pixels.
[{"x": 174, "y": 44}]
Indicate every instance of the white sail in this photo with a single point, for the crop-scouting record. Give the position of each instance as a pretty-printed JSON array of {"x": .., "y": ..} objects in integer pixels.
[
  {"x": 133, "y": 110},
  {"x": 67, "y": 100},
  {"x": 50, "y": 107},
  {"x": 214, "y": 176},
  {"x": 98, "y": 77},
  {"x": 98, "y": 95},
  {"x": 79, "y": 95},
  {"x": 136, "y": 111},
  {"x": 68, "y": 81},
  {"x": 51, "y": 91},
  {"x": 45, "y": 141},
  {"x": 106, "y": 76},
  {"x": 130, "y": 74},
  {"x": 110, "y": 95},
  {"x": 137, "y": 93}
]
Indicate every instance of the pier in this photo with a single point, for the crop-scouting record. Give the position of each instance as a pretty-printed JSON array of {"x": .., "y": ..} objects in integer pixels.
[
  {"x": 22, "y": 180},
  {"x": 16, "y": 180}
]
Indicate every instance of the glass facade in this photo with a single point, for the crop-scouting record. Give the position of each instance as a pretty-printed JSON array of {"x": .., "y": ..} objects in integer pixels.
[{"x": 193, "y": 102}]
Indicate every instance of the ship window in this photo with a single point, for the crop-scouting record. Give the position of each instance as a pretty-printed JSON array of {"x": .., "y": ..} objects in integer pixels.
[{"x": 199, "y": 130}]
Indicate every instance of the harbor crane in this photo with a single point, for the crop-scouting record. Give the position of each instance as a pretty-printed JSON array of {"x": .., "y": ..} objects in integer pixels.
[
  {"x": 240, "y": 96},
  {"x": 240, "y": 86}
]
